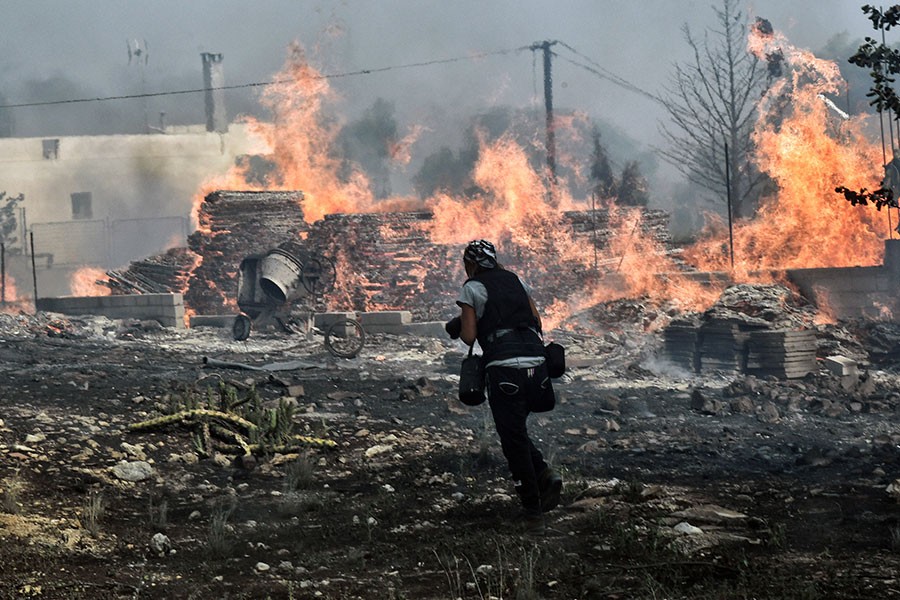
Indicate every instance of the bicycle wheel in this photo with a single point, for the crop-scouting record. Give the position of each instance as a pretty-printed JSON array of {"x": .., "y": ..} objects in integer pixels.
[
  {"x": 345, "y": 337},
  {"x": 240, "y": 329}
]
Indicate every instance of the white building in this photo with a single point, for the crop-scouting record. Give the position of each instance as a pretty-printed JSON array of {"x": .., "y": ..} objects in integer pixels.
[{"x": 104, "y": 201}]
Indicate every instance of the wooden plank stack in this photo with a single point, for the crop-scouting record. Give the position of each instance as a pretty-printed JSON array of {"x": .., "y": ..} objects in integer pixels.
[
  {"x": 233, "y": 225},
  {"x": 165, "y": 273},
  {"x": 732, "y": 348}
]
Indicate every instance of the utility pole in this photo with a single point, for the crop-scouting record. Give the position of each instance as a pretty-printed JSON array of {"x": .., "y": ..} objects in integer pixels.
[
  {"x": 548, "y": 108},
  {"x": 138, "y": 52}
]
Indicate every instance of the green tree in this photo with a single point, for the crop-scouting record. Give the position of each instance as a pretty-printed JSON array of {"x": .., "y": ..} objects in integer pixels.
[
  {"x": 883, "y": 63},
  {"x": 601, "y": 172},
  {"x": 443, "y": 171},
  {"x": 8, "y": 221},
  {"x": 369, "y": 142},
  {"x": 633, "y": 186}
]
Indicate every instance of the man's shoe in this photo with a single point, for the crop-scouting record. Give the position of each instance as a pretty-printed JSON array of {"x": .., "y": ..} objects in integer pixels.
[
  {"x": 534, "y": 524},
  {"x": 550, "y": 485}
]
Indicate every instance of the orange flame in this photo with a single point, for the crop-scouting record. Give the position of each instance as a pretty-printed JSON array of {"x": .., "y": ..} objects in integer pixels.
[
  {"x": 805, "y": 223},
  {"x": 514, "y": 213},
  {"x": 84, "y": 282},
  {"x": 10, "y": 296}
]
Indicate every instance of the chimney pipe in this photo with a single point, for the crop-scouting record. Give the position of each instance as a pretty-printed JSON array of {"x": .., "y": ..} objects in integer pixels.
[{"x": 213, "y": 82}]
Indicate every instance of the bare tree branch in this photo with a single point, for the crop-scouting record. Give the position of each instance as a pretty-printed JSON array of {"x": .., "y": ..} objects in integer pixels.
[{"x": 711, "y": 102}]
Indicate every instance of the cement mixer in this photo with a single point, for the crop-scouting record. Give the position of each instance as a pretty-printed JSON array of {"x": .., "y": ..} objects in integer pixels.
[{"x": 270, "y": 285}]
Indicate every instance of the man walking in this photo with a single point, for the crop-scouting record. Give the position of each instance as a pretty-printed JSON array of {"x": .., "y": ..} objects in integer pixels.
[{"x": 497, "y": 310}]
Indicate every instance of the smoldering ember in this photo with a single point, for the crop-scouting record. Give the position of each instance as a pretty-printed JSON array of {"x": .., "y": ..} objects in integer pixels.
[{"x": 267, "y": 406}]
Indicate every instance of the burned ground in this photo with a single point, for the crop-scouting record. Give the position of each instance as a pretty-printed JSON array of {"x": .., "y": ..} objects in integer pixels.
[{"x": 677, "y": 486}]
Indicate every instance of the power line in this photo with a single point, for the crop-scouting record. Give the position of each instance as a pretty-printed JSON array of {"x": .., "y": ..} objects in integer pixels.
[
  {"x": 469, "y": 57},
  {"x": 604, "y": 73}
]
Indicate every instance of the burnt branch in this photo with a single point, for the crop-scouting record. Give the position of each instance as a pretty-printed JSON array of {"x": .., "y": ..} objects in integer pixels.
[{"x": 880, "y": 198}]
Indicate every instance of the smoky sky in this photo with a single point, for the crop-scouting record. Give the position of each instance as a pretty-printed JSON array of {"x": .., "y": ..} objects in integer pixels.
[{"x": 74, "y": 49}]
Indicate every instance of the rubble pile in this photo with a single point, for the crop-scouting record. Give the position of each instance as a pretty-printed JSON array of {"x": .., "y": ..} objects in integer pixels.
[
  {"x": 764, "y": 330},
  {"x": 233, "y": 225}
]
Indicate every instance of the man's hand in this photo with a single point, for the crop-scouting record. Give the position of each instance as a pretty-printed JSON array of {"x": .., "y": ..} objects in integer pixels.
[{"x": 453, "y": 327}]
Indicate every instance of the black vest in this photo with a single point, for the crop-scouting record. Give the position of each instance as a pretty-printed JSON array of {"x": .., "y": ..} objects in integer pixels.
[{"x": 507, "y": 307}]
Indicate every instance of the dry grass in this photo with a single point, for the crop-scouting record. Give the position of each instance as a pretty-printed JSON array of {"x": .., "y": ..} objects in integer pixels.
[
  {"x": 92, "y": 510},
  {"x": 12, "y": 494}
]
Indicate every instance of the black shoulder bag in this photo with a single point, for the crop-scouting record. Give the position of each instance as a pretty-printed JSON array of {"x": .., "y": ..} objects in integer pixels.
[
  {"x": 556, "y": 359},
  {"x": 471, "y": 379}
]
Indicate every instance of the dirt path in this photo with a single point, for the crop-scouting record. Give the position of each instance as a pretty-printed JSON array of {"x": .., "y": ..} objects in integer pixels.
[{"x": 676, "y": 487}]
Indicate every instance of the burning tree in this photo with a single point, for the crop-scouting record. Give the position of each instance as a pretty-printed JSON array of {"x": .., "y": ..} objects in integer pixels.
[{"x": 712, "y": 102}]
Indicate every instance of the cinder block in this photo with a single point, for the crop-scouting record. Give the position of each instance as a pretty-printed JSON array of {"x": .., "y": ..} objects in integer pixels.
[
  {"x": 81, "y": 302},
  {"x": 392, "y": 329},
  {"x": 116, "y": 301},
  {"x": 841, "y": 365},
  {"x": 163, "y": 300},
  {"x": 168, "y": 309},
  {"x": 324, "y": 320},
  {"x": 385, "y": 317},
  {"x": 432, "y": 329},
  {"x": 168, "y": 322},
  {"x": 212, "y": 321}
]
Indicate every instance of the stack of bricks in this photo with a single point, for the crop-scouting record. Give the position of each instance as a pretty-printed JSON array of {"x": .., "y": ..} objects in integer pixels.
[{"x": 385, "y": 261}]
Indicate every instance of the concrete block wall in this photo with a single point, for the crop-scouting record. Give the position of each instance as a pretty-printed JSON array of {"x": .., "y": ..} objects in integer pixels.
[
  {"x": 845, "y": 292},
  {"x": 168, "y": 309},
  {"x": 849, "y": 292}
]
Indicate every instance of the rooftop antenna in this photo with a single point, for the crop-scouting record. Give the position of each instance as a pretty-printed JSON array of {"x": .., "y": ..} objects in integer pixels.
[{"x": 139, "y": 54}]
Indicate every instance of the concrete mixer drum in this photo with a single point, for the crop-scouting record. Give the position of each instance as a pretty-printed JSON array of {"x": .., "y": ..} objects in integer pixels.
[{"x": 270, "y": 284}]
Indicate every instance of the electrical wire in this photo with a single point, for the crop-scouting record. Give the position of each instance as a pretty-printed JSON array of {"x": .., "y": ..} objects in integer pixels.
[
  {"x": 469, "y": 57},
  {"x": 596, "y": 69}
]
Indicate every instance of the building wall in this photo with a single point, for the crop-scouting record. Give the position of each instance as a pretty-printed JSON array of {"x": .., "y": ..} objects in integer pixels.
[{"x": 129, "y": 178}]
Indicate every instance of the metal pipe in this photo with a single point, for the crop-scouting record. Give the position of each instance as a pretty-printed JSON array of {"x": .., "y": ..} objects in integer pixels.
[
  {"x": 728, "y": 195},
  {"x": 33, "y": 271},
  {"x": 594, "y": 227}
]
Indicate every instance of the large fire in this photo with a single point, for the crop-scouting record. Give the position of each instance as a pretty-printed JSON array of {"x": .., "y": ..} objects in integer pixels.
[
  {"x": 805, "y": 223},
  {"x": 807, "y": 151},
  {"x": 300, "y": 143}
]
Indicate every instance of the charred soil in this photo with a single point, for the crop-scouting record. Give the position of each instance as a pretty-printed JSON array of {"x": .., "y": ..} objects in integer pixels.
[{"x": 676, "y": 486}]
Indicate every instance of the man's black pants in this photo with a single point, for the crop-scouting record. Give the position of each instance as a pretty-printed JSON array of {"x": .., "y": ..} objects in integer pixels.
[{"x": 511, "y": 394}]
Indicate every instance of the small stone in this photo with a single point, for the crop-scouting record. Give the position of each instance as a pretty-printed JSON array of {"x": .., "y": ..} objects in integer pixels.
[
  {"x": 138, "y": 470},
  {"x": 160, "y": 543},
  {"x": 687, "y": 529}
]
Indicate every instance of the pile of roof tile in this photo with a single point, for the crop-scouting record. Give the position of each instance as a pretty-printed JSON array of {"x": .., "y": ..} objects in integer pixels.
[{"x": 754, "y": 329}]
